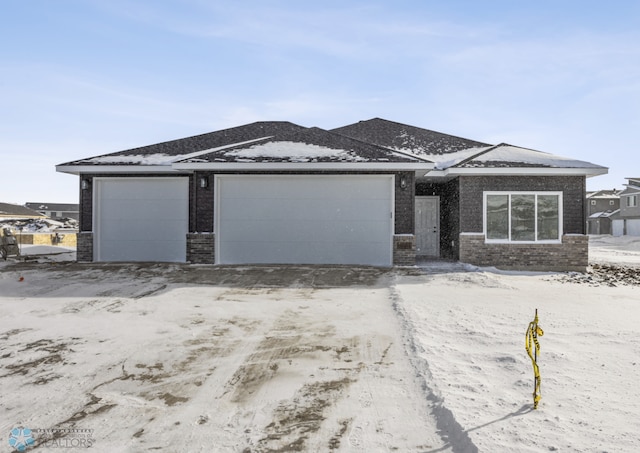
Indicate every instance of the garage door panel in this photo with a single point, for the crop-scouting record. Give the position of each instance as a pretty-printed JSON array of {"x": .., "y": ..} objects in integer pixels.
[
  {"x": 633, "y": 227},
  {"x": 245, "y": 252},
  {"x": 316, "y": 210},
  {"x": 128, "y": 189},
  {"x": 141, "y": 219},
  {"x": 304, "y": 219},
  {"x": 298, "y": 231},
  {"x": 140, "y": 230}
]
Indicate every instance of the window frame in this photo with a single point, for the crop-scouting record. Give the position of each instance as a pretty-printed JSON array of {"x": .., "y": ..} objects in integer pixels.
[
  {"x": 631, "y": 204},
  {"x": 509, "y": 193}
]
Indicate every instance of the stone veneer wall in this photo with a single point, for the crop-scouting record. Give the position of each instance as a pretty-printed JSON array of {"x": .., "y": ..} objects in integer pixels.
[
  {"x": 404, "y": 250},
  {"x": 201, "y": 248},
  {"x": 571, "y": 255},
  {"x": 84, "y": 248}
]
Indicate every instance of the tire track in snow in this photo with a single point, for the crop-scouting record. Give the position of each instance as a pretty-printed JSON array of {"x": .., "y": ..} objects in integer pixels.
[{"x": 450, "y": 431}]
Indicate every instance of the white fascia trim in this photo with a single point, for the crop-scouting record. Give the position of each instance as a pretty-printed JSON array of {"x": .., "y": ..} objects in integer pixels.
[
  {"x": 88, "y": 169},
  {"x": 519, "y": 171},
  {"x": 318, "y": 166}
]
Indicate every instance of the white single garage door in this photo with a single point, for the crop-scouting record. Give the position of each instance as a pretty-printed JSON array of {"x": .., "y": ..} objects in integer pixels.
[
  {"x": 141, "y": 219},
  {"x": 633, "y": 227},
  {"x": 304, "y": 219}
]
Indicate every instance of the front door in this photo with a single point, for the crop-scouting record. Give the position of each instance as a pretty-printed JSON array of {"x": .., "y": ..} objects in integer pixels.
[{"x": 428, "y": 226}]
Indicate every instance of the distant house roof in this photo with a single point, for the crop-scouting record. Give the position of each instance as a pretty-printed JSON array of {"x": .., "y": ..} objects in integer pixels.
[
  {"x": 58, "y": 207},
  {"x": 8, "y": 210},
  {"x": 633, "y": 186},
  {"x": 604, "y": 194},
  {"x": 273, "y": 143},
  {"x": 607, "y": 214}
]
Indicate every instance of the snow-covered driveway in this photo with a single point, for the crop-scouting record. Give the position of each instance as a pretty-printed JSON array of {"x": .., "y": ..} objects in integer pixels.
[
  {"x": 187, "y": 358},
  {"x": 430, "y": 359}
]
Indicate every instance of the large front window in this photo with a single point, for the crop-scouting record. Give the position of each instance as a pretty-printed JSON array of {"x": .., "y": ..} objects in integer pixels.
[{"x": 522, "y": 216}]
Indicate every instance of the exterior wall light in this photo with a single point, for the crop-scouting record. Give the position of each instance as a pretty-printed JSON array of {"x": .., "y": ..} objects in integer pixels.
[
  {"x": 204, "y": 182},
  {"x": 85, "y": 184},
  {"x": 403, "y": 182}
]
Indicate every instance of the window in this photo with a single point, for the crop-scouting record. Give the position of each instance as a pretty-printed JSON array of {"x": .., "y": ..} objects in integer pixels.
[
  {"x": 632, "y": 201},
  {"x": 611, "y": 202},
  {"x": 593, "y": 202},
  {"x": 523, "y": 216}
]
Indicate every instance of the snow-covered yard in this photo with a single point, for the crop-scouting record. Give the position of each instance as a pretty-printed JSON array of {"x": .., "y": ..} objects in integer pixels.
[{"x": 253, "y": 359}]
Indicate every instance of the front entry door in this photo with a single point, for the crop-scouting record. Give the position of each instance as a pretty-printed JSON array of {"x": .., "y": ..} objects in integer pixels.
[{"x": 428, "y": 226}]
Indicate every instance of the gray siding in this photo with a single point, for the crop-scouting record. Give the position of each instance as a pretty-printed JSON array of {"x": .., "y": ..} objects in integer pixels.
[{"x": 626, "y": 212}]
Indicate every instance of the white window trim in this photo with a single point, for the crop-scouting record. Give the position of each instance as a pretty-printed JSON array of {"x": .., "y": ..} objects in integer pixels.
[
  {"x": 536, "y": 193},
  {"x": 633, "y": 197}
]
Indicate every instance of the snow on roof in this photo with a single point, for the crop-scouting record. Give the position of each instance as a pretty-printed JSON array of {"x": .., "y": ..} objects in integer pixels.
[
  {"x": 444, "y": 161},
  {"x": 596, "y": 215},
  {"x": 514, "y": 155},
  {"x": 293, "y": 152},
  {"x": 136, "y": 159},
  {"x": 605, "y": 194}
]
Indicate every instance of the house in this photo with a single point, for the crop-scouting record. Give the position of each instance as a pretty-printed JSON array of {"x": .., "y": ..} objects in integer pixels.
[
  {"x": 372, "y": 193},
  {"x": 602, "y": 207},
  {"x": 14, "y": 211},
  {"x": 56, "y": 211},
  {"x": 602, "y": 222},
  {"x": 628, "y": 222},
  {"x": 603, "y": 201}
]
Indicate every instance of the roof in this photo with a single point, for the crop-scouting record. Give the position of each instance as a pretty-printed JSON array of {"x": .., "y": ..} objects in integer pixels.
[
  {"x": 633, "y": 186},
  {"x": 509, "y": 156},
  {"x": 274, "y": 143},
  {"x": 420, "y": 142},
  {"x": 53, "y": 206},
  {"x": 455, "y": 155},
  {"x": 366, "y": 145},
  {"x": 14, "y": 210},
  {"x": 598, "y": 215},
  {"x": 605, "y": 194}
]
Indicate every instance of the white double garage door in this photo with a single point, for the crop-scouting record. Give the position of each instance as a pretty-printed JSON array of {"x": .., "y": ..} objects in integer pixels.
[
  {"x": 283, "y": 219},
  {"x": 630, "y": 227}
]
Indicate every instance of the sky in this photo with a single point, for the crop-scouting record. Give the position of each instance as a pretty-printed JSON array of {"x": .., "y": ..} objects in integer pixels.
[{"x": 80, "y": 78}]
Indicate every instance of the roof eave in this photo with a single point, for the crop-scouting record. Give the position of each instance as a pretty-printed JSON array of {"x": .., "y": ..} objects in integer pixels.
[
  {"x": 520, "y": 171},
  {"x": 89, "y": 169}
]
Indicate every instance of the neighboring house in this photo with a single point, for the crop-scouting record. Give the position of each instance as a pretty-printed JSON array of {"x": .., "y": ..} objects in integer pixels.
[
  {"x": 14, "y": 211},
  {"x": 372, "y": 193},
  {"x": 56, "y": 211},
  {"x": 602, "y": 222},
  {"x": 602, "y": 208},
  {"x": 629, "y": 221},
  {"x": 603, "y": 201}
]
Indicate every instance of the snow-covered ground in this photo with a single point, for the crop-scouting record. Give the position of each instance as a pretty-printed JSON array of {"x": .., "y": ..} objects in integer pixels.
[{"x": 143, "y": 357}]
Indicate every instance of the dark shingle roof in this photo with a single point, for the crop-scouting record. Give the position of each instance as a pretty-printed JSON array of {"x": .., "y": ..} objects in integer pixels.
[
  {"x": 402, "y": 137},
  {"x": 256, "y": 142},
  {"x": 302, "y": 145},
  {"x": 8, "y": 209},
  {"x": 188, "y": 145},
  {"x": 509, "y": 156},
  {"x": 377, "y": 142}
]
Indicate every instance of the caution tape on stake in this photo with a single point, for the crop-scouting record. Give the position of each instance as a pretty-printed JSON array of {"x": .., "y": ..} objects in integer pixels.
[{"x": 533, "y": 348}]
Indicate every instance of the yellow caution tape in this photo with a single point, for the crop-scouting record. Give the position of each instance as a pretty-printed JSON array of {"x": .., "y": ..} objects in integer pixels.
[{"x": 531, "y": 340}]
